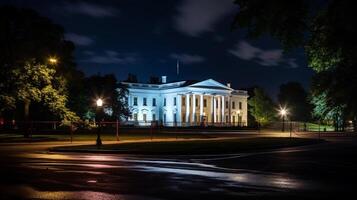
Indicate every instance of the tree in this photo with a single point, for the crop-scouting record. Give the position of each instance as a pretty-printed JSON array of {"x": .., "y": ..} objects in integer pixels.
[
  {"x": 262, "y": 107},
  {"x": 28, "y": 39},
  {"x": 113, "y": 94},
  {"x": 131, "y": 78},
  {"x": 325, "y": 29},
  {"x": 154, "y": 80},
  {"x": 293, "y": 96}
]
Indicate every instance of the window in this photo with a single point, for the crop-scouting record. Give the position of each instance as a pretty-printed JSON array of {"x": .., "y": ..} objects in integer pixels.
[
  {"x": 227, "y": 118},
  {"x": 144, "y": 117},
  {"x": 233, "y": 105},
  {"x": 153, "y": 117},
  {"x": 164, "y": 101},
  {"x": 234, "y": 119},
  {"x": 196, "y": 102},
  {"x": 183, "y": 101},
  {"x": 144, "y": 101},
  {"x": 135, "y": 103},
  {"x": 174, "y": 101},
  {"x": 135, "y": 117},
  {"x": 153, "y": 102},
  {"x": 240, "y": 105},
  {"x": 205, "y": 103},
  {"x": 164, "y": 118},
  {"x": 226, "y": 104},
  {"x": 175, "y": 118},
  {"x": 190, "y": 101},
  {"x": 216, "y": 104}
]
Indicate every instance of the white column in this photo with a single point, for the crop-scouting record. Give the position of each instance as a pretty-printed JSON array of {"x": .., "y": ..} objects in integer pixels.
[
  {"x": 187, "y": 108},
  {"x": 214, "y": 109},
  {"x": 201, "y": 107},
  {"x": 193, "y": 107},
  {"x": 223, "y": 117},
  {"x": 179, "y": 108}
]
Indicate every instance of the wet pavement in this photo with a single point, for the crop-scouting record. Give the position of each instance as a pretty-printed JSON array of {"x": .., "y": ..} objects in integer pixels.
[{"x": 325, "y": 170}]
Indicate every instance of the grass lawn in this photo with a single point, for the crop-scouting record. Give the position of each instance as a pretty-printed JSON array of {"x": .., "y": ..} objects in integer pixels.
[
  {"x": 315, "y": 127},
  {"x": 104, "y": 136},
  {"x": 219, "y": 146}
]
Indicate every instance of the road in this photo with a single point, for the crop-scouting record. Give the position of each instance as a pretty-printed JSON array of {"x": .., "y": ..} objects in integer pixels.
[{"x": 29, "y": 171}]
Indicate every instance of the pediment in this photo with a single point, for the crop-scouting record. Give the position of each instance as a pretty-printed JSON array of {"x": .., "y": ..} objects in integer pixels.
[{"x": 210, "y": 83}]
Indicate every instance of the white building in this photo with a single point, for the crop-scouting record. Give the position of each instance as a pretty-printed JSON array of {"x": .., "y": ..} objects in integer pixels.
[{"x": 187, "y": 103}]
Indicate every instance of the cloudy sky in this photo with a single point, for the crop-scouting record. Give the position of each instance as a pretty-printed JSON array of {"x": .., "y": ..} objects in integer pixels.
[{"x": 147, "y": 38}]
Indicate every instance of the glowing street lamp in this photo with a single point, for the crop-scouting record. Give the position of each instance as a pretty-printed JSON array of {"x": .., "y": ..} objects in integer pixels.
[
  {"x": 283, "y": 112},
  {"x": 99, "y": 103},
  {"x": 53, "y": 60}
]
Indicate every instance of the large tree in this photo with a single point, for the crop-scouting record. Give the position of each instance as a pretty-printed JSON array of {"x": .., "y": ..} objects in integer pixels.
[
  {"x": 262, "y": 107},
  {"x": 293, "y": 96},
  {"x": 27, "y": 41},
  {"x": 325, "y": 29}
]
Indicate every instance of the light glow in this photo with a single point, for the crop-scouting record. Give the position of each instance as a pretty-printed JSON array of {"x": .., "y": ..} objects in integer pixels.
[
  {"x": 99, "y": 102},
  {"x": 53, "y": 60}
]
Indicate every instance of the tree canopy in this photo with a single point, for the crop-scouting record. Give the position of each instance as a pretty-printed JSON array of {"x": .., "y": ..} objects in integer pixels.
[
  {"x": 262, "y": 107},
  {"x": 325, "y": 29}
]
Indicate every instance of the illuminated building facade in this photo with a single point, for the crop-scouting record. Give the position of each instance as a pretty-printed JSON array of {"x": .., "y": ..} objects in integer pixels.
[{"x": 187, "y": 103}]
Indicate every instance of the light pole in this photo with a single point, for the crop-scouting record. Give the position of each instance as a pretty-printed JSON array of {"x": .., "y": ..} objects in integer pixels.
[
  {"x": 283, "y": 112},
  {"x": 99, "y": 103}
]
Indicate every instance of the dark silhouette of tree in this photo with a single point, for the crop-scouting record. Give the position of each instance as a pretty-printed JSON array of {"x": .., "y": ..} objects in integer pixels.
[
  {"x": 131, "y": 78},
  {"x": 113, "y": 94},
  {"x": 294, "y": 97},
  {"x": 26, "y": 38},
  {"x": 326, "y": 30},
  {"x": 154, "y": 80}
]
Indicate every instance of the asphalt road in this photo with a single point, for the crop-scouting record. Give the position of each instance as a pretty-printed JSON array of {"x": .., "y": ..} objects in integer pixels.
[{"x": 325, "y": 170}]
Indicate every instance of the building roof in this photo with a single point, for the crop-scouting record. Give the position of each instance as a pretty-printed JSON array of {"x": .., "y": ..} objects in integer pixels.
[{"x": 205, "y": 84}]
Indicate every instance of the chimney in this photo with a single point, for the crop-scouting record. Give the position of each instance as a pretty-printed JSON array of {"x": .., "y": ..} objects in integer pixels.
[
  {"x": 229, "y": 85},
  {"x": 163, "y": 79}
]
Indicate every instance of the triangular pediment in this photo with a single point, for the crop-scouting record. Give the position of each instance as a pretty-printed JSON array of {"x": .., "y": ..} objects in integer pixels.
[{"x": 210, "y": 83}]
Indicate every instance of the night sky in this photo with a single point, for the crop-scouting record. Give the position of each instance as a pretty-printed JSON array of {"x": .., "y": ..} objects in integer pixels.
[{"x": 147, "y": 38}]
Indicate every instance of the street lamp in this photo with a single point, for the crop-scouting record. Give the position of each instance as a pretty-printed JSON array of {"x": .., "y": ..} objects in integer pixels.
[
  {"x": 53, "y": 60},
  {"x": 283, "y": 112},
  {"x": 99, "y": 103}
]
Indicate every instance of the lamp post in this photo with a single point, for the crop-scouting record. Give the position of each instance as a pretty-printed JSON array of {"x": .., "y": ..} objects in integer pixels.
[
  {"x": 99, "y": 103},
  {"x": 283, "y": 112}
]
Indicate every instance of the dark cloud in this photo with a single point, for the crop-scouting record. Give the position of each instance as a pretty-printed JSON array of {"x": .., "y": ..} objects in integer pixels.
[
  {"x": 80, "y": 40},
  {"x": 89, "y": 9},
  {"x": 187, "y": 58},
  {"x": 199, "y": 16},
  {"x": 265, "y": 57},
  {"x": 110, "y": 57}
]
